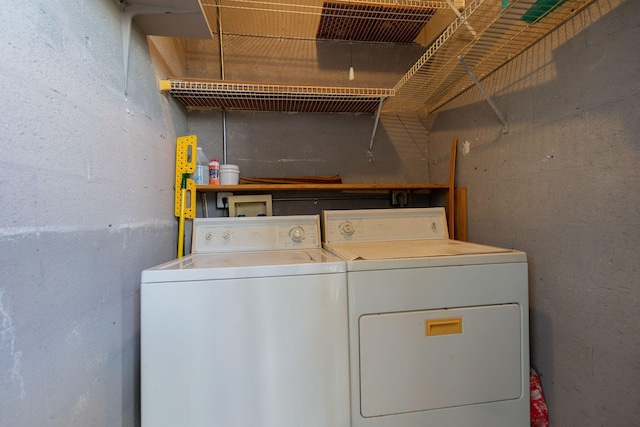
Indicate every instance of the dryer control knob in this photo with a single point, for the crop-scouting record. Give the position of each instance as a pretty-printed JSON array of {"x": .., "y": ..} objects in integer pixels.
[
  {"x": 226, "y": 235},
  {"x": 347, "y": 229},
  {"x": 297, "y": 234},
  {"x": 208, "y": 236}
]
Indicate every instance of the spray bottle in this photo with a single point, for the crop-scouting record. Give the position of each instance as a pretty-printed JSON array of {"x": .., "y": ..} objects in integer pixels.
[{"x": 214, "y": 172}]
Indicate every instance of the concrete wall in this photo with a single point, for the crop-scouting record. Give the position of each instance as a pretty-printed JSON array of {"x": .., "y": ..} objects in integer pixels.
[
  {"x": 275, "y": 60},
  {"x": 86, "y": 190},
  {"x": 87, "y": 177},
  {"x": 288, "y": 145},
  {"x": 274, "y": 144},
  {"x": 564, "y": 186}
]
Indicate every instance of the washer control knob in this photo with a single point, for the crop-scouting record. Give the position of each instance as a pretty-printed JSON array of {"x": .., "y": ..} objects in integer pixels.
[
  {"x": 434, "y": 226},
  {"x": 226, "y": 235},
  {"x": 297, "y": 234},
  {"x": 208, "y": 236},
  {"x": 347, "y": 229}
]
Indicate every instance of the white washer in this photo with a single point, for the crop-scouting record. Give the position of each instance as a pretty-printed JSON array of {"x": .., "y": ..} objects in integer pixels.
[
  {"x": 250, "y": 330},
  {"x": 438, "y": 328}
]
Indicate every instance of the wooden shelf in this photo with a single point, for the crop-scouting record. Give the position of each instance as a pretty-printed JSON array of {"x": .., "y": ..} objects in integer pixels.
[
  {"x": 452, "y": 212},
  {"x": 318, "y": 187},
  {"x": 458, "y": 213}
]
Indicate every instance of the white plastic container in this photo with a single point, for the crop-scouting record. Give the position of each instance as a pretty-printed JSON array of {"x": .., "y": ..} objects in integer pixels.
[
  {"x": 201, "y": 174},
  {"x": 214, "y": 172},
  {"x": 229, "y": 174}
]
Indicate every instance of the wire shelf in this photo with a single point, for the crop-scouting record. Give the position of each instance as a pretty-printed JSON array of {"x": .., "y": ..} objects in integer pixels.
[
  {"x": 198, "y": 94},
  {"x": 486, "y": 34},
  {"x": 300, "y": 19}
]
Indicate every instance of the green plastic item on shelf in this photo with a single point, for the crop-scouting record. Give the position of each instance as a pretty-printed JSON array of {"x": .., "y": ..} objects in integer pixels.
[{"x": 540, "y": 9}]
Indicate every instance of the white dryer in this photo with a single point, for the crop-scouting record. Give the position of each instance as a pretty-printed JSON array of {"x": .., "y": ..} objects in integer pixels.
[
  {"x": 438, "y": 328},
  {"x": 250, "y": 330}
]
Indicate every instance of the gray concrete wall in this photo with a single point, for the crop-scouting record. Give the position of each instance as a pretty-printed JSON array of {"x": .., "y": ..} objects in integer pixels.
[
  {"x": 87, "y": 194},
  {"x": 87, "y": 177},
  {"x": 275, "y": 144},
  {"x": 275, "y": 60},
  {"x": 288, "y": 145},
  {"x": 564, "y": 186}
]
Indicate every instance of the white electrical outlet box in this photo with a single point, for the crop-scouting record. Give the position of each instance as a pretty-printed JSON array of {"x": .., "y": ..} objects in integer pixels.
[{"x": 222, "y": 200}]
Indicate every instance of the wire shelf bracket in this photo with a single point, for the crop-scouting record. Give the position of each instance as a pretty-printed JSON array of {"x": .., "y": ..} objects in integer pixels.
[
  {"x": 375, "y": 128},
  {"x": 505, "y": 124}
]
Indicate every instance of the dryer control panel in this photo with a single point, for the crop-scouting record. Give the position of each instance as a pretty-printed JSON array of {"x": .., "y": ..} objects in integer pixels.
[
  {"x": 384, "y": 225},
  {"x": 255, "y": 233}
]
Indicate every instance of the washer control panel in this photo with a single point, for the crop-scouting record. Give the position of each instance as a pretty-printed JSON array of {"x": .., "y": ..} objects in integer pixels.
[
  {"x": 384, "y": 225},
  {"x": 255, "y": 233}
]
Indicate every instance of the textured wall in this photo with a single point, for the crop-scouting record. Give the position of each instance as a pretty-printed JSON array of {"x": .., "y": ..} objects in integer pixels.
[
  {"x": 564, "y": 186},
  {"x": 286, "y": 145},
  {"x": 86, "y": 185},
  {"x": 268, "y": 144},
  {"x": 273, "y": 144},
  {"x": 275, "y": 60}
]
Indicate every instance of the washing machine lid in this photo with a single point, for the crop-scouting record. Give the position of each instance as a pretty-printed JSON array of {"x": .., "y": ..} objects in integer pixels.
[
  {"x": 239, "y": 265},
  {"x": 373, "y": 239},
  {"x": 419, "y": 253}
]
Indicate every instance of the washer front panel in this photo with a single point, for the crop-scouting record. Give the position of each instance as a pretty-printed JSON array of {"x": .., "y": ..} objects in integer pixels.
[
  {"x": 384, "y": 225},
  {"x": 255, "y": 233},
  {"x": 268, "y": 352}
]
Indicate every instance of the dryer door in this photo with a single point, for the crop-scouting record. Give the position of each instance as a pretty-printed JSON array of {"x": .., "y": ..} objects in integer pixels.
[{"x": 422, "y": 360}]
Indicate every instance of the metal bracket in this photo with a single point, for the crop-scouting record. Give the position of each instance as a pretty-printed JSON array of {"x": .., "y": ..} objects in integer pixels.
[
  {"x": 466, "y": 23},
  {"x": 375, "y": 127},
  {"x": 505, "y": 127}
]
